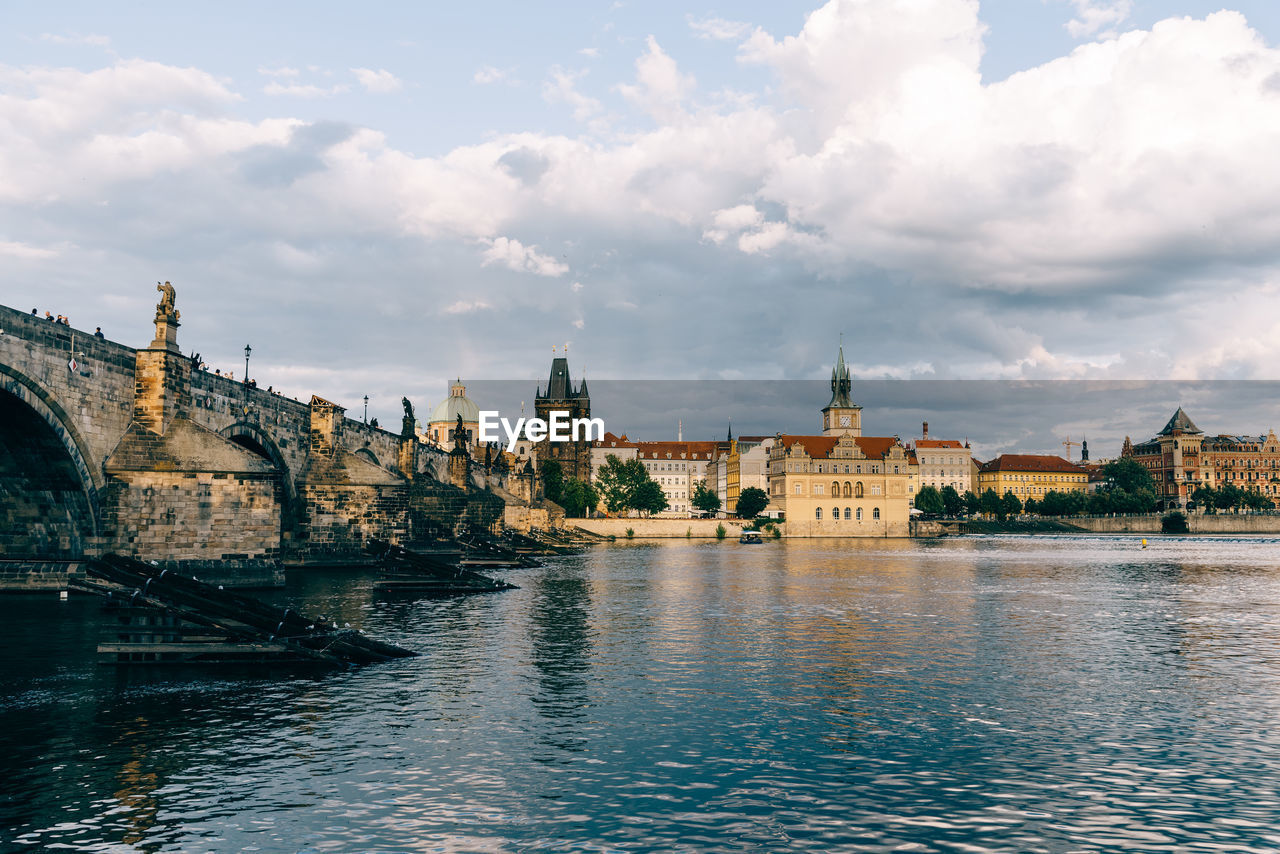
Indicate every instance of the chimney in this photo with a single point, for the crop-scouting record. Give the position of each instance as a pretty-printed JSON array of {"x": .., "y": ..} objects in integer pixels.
[{"x": 926, "y": 430}]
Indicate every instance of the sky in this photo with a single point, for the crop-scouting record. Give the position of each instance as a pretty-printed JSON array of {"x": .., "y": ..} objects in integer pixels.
[{"x": 380, "y": 198}]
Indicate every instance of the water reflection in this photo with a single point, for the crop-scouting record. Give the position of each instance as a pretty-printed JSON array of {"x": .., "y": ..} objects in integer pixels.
[{"x": 985, "y": 694}]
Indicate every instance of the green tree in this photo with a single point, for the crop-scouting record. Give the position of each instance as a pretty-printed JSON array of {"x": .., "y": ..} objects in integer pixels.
[
  {"x": 1205, "y": 498},
  {"x": 751, "y": 501},
  {"x": 989, "y": 502},
  {"x": 929, "y": 500},
  {"x": 552, "y": 480},
  {"x": 1128, "y": 474},
  {"x": 971, "y": 502},
  {"x": 952, "y": 503},
  {"x": 578, "y": 499},
  {"x": 1227, "y": 497},
  {"x": 1031, "y": 505},
  {"x": 619, "y": 483},
  {"x": 649, "y": 498},
  {"x": 704, "y": 499},
  {"x": 1010, "y": 505}
]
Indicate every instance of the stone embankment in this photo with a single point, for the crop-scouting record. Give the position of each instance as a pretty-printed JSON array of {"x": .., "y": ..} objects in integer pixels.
[
  {"x": 1224, "y": 523},
  {"x": 658, "y": 528}
]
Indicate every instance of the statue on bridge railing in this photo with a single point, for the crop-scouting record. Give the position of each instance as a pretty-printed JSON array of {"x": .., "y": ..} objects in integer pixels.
[
  {"x": 460, "y": 436},
  {"x": 408, "y": 424},
  {"x": 165, "y": 310}
]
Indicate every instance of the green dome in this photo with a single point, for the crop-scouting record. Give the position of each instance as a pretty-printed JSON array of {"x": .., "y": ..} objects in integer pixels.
[{"x": 457, "y": 403}]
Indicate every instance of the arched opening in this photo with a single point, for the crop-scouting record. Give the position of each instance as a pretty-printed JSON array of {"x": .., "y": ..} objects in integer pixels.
[
  {"x": 367, "y": 454},
  {"x": 47, "y": 508},
  {"x": 253, "y": 440}
]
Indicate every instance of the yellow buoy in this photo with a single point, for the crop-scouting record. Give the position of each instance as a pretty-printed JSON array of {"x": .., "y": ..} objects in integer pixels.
[{"x": 1144, "y": 542}]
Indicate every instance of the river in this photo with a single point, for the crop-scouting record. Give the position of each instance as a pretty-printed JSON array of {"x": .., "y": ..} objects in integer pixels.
[{"x": 1011, "y": 694}]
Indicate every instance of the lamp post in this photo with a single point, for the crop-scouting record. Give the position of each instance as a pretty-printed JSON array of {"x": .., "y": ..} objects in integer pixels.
[
  {"x": 366, "y": 409},
  {"x": 247, "y": 351}
]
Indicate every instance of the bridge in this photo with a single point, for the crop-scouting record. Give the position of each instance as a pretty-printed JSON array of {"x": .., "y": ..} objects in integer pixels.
[{"x": 104, "y": 447}]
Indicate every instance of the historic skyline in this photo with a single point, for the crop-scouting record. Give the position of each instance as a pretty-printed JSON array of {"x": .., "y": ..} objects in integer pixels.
[{"x": 1068, "y": 189}]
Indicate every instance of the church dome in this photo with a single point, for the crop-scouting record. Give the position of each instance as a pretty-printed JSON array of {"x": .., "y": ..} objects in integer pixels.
[{"x": 457, "y": 403}]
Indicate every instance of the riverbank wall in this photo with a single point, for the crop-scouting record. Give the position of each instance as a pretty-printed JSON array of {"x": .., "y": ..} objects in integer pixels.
[
  {"x": 1225, "y": 523},
  {"x": 697, "y": 529}
]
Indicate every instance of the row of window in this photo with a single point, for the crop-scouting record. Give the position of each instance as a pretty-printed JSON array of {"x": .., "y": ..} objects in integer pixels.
[{"x": 835, "y": 513}]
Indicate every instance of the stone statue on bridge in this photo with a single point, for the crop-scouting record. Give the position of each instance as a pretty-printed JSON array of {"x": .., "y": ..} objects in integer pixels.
[
  {"x": 165, "y": 310},
  {"x": 408, "y": 424},
  {"x": 460, "y": 435}
]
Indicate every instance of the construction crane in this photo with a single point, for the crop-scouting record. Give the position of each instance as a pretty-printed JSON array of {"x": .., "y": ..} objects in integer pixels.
[{"x": 1067, "y": 444}]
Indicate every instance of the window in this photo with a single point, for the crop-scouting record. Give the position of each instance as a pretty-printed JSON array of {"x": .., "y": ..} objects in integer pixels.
[
  {"x": 835, "y": 488},
  {"x": 835, "y": 514},
  {"x": 859, "y": 514},
  {"x": 846, "y": 514},
  {"x": 875, "y": 489},
  {"x": 857, "y": 491},
  {"x": 817, "y": 489},
  {"x": 848, "y": 489},
  {"x": 797, "y": 489},
  {"x": 817, "y": 513},
  {"x": 875, "y": 513}
]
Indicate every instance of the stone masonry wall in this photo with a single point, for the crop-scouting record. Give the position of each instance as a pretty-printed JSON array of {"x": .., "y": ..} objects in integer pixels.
[
  {"x": 343, "y": 517},
  {"x": 201, "y": 516}
]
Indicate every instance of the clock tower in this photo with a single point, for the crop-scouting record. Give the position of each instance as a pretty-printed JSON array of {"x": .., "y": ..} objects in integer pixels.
[{"x": 841, "y": 417}]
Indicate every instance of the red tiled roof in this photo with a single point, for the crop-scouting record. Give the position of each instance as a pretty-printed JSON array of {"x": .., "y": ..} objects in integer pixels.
[
  {"x": 819, "y": 447},
  {"x": 1030, "y": 462},
  {"x": 938, "y": 443}
]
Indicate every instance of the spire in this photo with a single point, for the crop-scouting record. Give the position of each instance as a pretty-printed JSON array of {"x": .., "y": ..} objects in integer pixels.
[
  {"x": 841, "y": 384},
  {"x": 730, "y": 439}
]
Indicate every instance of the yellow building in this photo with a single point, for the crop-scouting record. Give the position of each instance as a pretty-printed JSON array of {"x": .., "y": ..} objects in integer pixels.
[
  {"x": 840, "y": 486},
  {"x": 1030, "y": 476}
]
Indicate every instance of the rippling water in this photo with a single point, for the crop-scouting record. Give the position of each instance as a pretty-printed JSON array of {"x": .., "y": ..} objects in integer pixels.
[{"x": 985, "y": 694}]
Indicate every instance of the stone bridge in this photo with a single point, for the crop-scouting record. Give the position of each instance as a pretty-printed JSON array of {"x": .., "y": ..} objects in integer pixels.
[{"x": 108, "y": 448}]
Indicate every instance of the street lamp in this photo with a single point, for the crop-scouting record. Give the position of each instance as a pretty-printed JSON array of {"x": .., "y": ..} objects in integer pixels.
[
  {"x": 247, "y": 351},
  {"x": 366, "y": 409}
]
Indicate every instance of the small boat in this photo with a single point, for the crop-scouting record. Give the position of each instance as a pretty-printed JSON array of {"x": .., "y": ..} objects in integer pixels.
[{"x": 750, "y": 538}]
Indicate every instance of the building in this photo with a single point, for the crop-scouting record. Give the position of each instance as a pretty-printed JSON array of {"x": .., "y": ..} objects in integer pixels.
[
  {"x": 840, "y": 484},
  {"x": 560, "y": 395},
  {"x": 677, "y": 467},
  {"x": 747, "y": 465},
  {"x": 1172, "y": 457},
  {"x": 1030, "y": 476},
  {"x": 943, "y": 462},
  {"x": 1181, "y": 459},
  {"x": 444, "y": 418}
]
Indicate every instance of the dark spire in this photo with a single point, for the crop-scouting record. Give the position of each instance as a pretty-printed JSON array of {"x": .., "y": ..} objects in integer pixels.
[
  {"x": 1179, "y": 423},
  {"x": 841, "y": 384}
]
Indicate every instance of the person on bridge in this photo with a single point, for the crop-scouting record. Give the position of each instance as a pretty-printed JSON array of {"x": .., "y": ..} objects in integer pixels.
[{"x": 97, "y": 333}]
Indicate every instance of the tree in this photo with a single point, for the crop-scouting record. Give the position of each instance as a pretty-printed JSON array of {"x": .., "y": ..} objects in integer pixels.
[
  {"x": 552, "y": 480},
  {"x": 751, "y": 501},
  {"x": 1010, "y": 505},
  {"x": 952, "y": 503},
  {"x": 1128, "y": 474},
  {"x": 704, "y": 499},
  {"x": 578, "y": 499},
  {"x": 971, "y": 502},
  {"x": 649, "y": 498},
  {"x": 1205, "y": 497},
  {"x": 1227, "y": 497},
  {"x": 989, "y": 502},
  {"x": 619, "y": 482},
  {"x": 929, "y": 500},
  {"x": 1031, "y": 505}
]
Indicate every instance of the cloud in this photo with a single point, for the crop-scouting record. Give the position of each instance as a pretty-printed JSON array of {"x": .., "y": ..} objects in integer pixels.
[
  {"x": 561, "y": 88},
  {"x": 24, "y": 251},
  {"x": 488, "y": 74},
  {"x": 281, "y": 71},
  {"x": 718, "y": 28},
  {"x": 467, "y": 307},
  {"x": 380, "y": 81},
  {"x": 92, "y": 39},
  {"x": 523, "y": 259},
  {"x": 660, "y": 89},
  {"x": 590, "y": 52},
  {"x": 1105, "y": 214},
  {"x": 303, "y": 90},
  {"x": 1098, "y": 17}
]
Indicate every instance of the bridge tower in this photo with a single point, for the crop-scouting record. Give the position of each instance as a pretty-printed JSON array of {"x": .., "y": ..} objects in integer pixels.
[{"x": 162, "y": 377}]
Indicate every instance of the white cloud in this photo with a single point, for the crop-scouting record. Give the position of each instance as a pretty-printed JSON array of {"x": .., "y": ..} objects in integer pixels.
[
  {"x": 489, "y": 74},
  {"x": 590, "y": 52},
  {"x": 523, "y": 259},
  {"x": 1098, "y": 17},
  {"x": 303, "y": 90},
  {"x": 467, "y": 307},
  {"x": 280, "y": 71},
  {"x": 92, "y": 39},
  {"x": 562, "y": 88},
  {"x": 718, "y": 28},
  {"x": 660, "y": 89},
  {"x": 576, "y": 287},
  {"x": 380, "y": 81},
  {"x": 25, "y": 251}
]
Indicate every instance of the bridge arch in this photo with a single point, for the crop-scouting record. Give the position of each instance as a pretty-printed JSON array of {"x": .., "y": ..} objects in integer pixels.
[
  {"x": 254, "y": 439},
  {"x": 48, "y": 469},
  {"x": 368, "y": 455}
]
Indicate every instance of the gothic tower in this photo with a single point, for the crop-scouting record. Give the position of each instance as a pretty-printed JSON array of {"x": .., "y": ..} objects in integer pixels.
[{"x": 841, "y": 416}]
